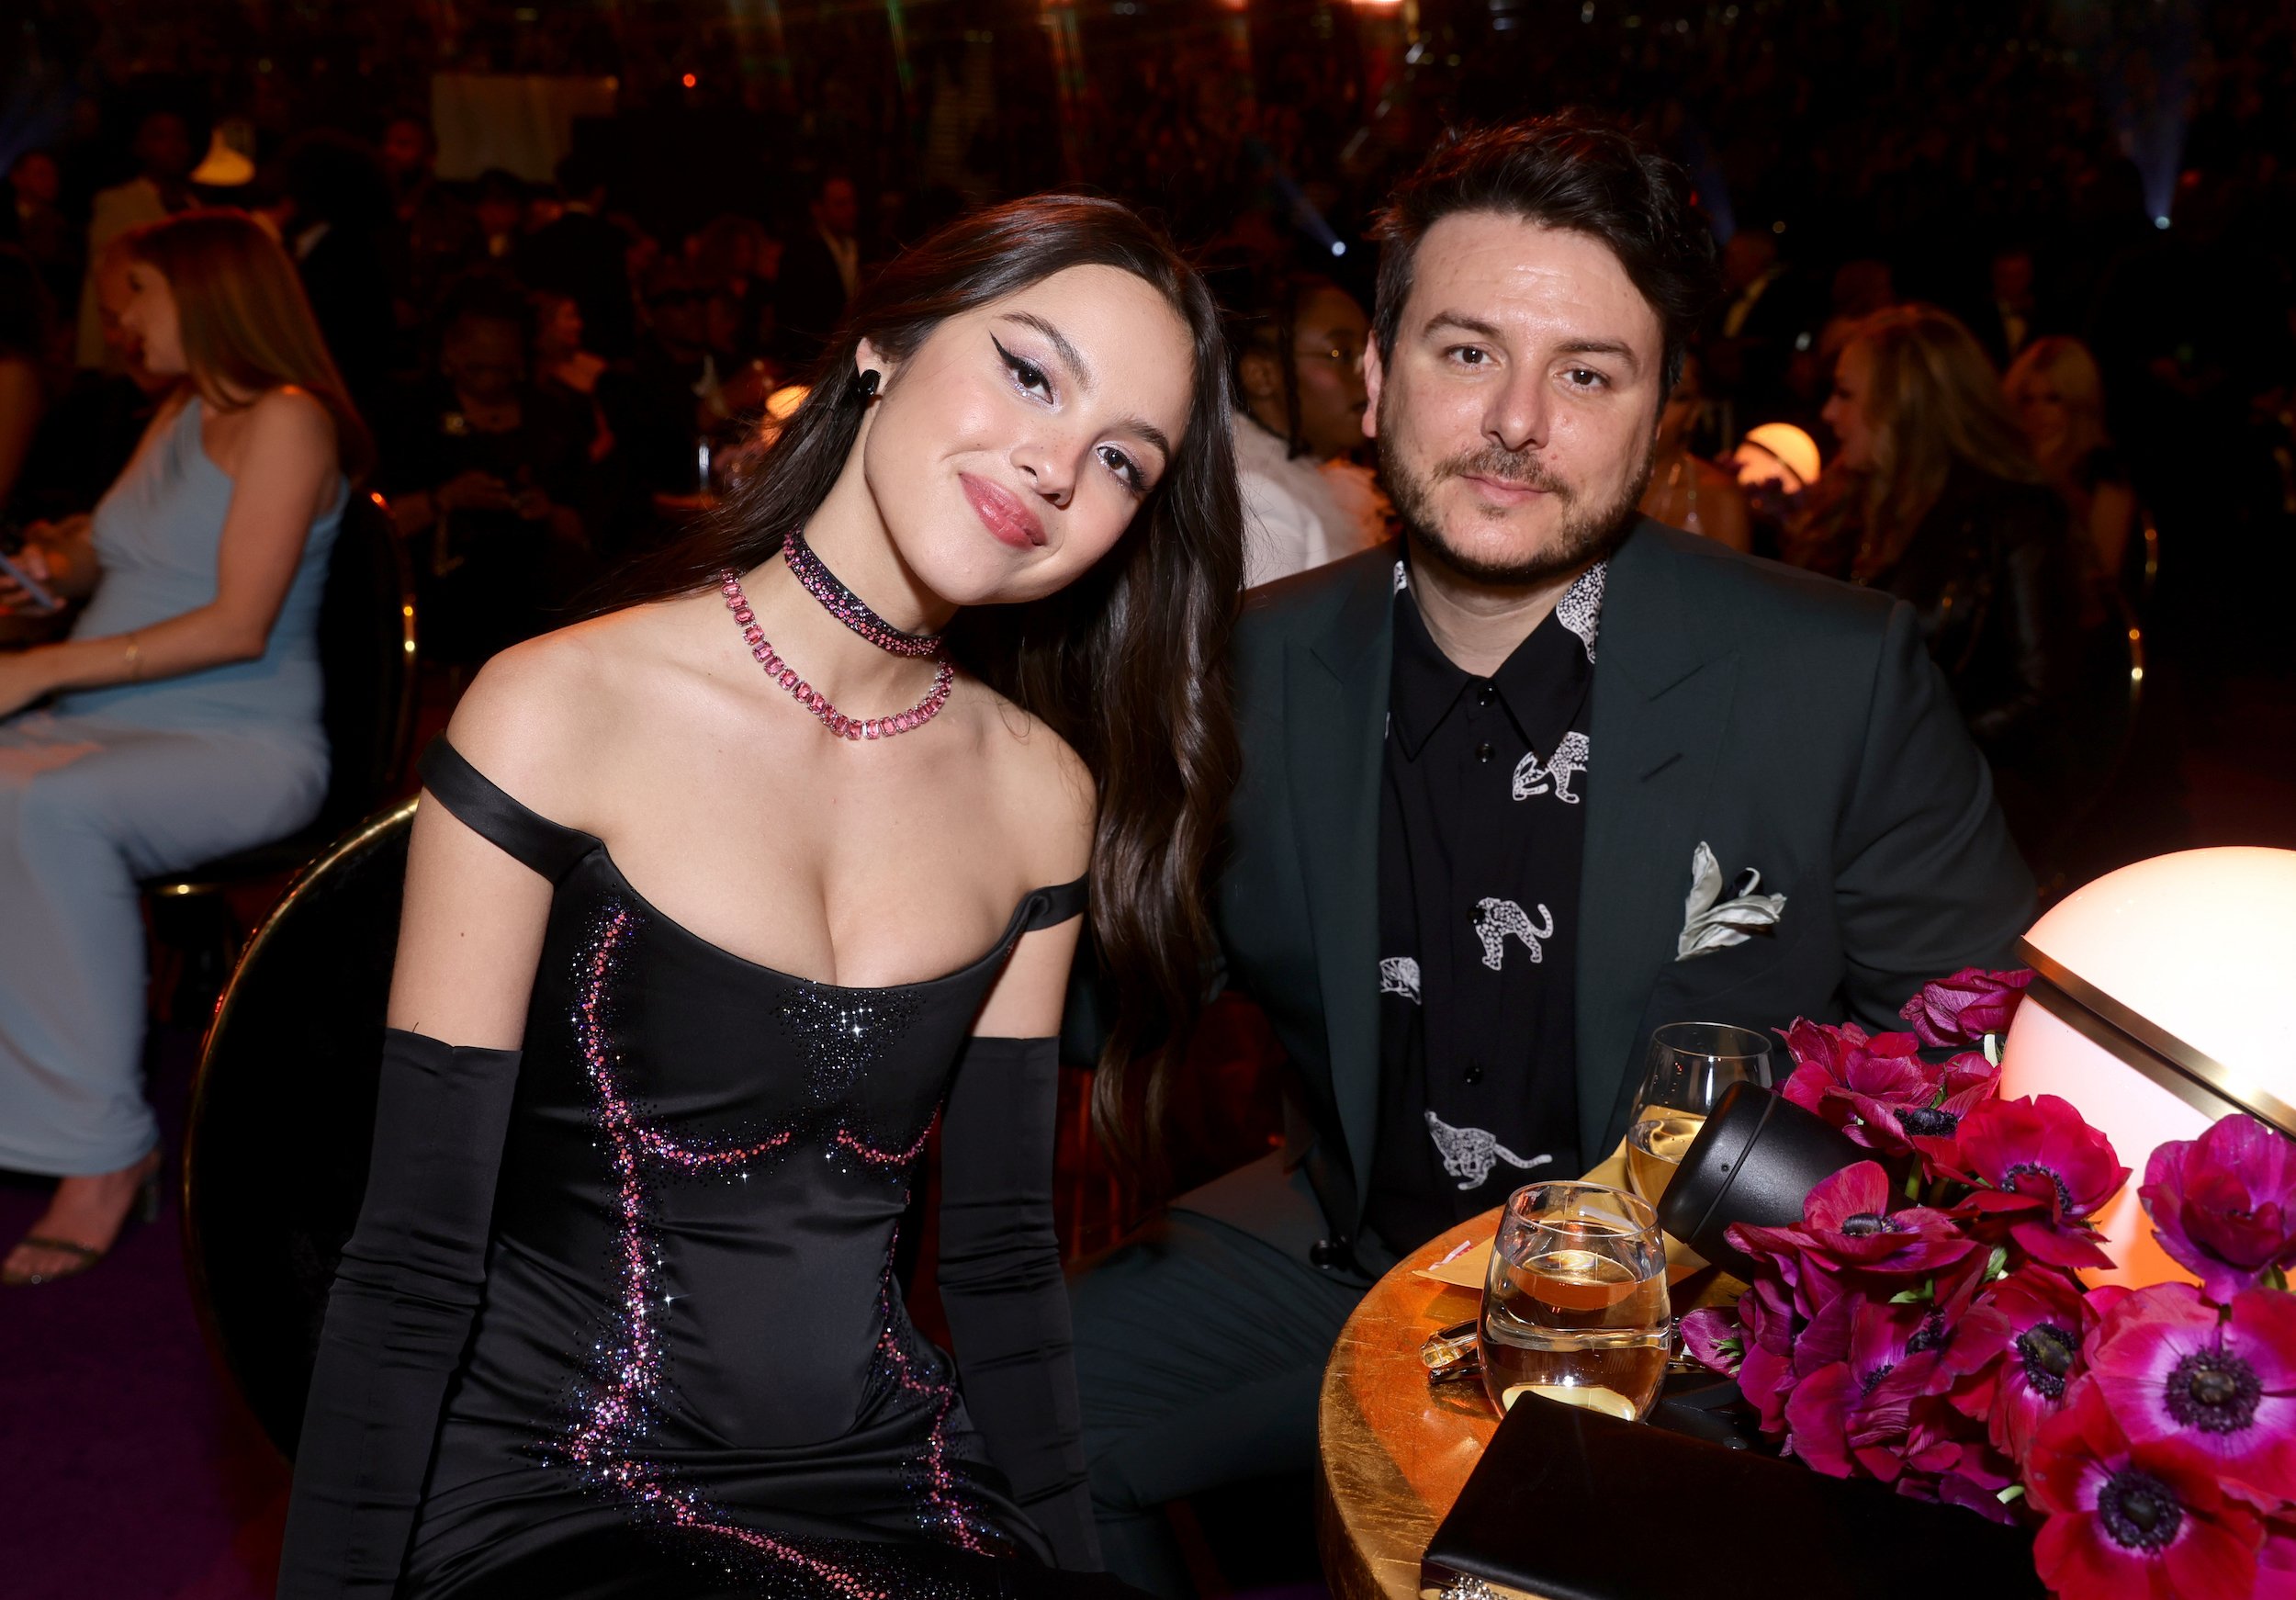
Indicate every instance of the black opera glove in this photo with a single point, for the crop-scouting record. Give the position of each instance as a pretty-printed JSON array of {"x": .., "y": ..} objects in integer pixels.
[
  {"x": 399, "y": 1317},
  {"x": 1002, "y": 1287}
]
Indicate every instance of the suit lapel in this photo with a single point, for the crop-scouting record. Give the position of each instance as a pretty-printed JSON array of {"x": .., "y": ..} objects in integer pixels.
[
  {"x": 1335, "y": 724},
  {"x": 1664, "y": 681}
]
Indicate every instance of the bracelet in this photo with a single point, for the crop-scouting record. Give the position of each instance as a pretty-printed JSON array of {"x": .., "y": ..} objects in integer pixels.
[{"x": 135, "y": 658}]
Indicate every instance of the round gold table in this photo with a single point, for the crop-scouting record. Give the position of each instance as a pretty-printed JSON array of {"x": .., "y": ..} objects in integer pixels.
[{"x": 1394, "y": 1452}]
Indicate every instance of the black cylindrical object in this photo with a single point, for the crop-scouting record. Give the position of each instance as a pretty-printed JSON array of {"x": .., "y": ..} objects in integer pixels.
[{"x": 1755, "y": 1161}]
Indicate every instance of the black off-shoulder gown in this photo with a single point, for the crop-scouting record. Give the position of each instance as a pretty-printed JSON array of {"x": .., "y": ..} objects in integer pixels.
[{"x": 619, "y": 1317}]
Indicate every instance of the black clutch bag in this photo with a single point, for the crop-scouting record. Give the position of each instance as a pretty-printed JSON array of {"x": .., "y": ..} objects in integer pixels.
[{"x": 1569, "y": 1505}]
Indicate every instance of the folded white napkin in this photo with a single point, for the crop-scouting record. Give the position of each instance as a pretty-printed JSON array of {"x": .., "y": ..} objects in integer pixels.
[{"x": 1711, "y": 923}]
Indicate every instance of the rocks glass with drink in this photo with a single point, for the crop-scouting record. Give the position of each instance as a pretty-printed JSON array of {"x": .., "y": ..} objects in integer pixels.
[
  {"x": 1575, "y": 1306},
  {"x": 1690, "y": 1065}
]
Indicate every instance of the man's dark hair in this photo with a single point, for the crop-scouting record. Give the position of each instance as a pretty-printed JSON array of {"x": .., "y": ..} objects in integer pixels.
[{"x": 1567, "y": 171}]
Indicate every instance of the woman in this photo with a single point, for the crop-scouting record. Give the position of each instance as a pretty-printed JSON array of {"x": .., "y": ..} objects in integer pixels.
[
  {"x": 1685, "y": 492},
  {"x": 1935, "y": 497},
  {"x": 663, "y": 1353},
  {"x": 185, "y": 723},
  {"x": 2059, "y": 397}
]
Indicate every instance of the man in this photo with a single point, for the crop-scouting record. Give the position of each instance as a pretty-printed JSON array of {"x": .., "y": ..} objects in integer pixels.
[
  {"x": 820, "y": 272},
  {"x": 1299, "y": 379},
  {"x": 1485, "y": 772},
  {"x": 1762, "y": 320}
]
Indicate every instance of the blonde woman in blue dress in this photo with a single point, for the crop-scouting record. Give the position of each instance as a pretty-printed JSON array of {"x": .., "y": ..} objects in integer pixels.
[{"x": 179, "y": 721}]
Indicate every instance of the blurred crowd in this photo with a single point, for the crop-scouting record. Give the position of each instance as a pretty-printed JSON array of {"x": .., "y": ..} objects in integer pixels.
[{"x": 2005, "y": 327}]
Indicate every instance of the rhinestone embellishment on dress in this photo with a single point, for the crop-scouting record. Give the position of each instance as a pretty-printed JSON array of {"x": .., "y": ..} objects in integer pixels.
[{"x": 616, "y": 1404}]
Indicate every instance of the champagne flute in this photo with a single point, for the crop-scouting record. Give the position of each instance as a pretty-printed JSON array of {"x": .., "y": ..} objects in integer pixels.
[
  {"x": 1575, "y": 1306},
  {"x": 1689, "y": 1066}
]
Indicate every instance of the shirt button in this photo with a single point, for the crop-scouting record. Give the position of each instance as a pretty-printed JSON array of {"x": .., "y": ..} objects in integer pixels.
[
  {"x": 1482, "y": 751},
  {"x": 1485, "y": 694},
  {"x": 1474, "y": 1074}
]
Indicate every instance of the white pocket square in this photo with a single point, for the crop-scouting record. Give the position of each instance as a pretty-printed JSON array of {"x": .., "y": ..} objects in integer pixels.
[{"x": 1711, "y": 923}]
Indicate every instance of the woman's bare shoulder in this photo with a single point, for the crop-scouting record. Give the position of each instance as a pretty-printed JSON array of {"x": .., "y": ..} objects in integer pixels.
[
  {"x": 1044, "y": 786},
  {"x": 542, "y": 718}
]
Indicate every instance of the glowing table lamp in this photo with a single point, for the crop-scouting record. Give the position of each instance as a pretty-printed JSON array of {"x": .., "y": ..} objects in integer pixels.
[
  {"x": 2165, "y": 998},
  {"x": 1776, "y": 452}
]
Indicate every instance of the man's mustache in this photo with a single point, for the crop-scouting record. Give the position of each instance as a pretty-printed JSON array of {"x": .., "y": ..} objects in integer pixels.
[{"x": 1519, "y": 467}]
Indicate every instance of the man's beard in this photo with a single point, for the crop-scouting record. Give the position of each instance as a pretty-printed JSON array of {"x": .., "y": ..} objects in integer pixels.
[{"x": 1588, "y": 534}]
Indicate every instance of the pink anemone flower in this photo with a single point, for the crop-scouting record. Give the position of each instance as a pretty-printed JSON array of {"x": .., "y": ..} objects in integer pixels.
[
  {"x": 2172, "y": 1369},
  {"x": 2130, "y": 1520}
]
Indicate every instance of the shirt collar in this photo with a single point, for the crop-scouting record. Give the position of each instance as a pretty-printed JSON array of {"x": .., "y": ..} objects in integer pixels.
[{"x": 1539, "y": 684}]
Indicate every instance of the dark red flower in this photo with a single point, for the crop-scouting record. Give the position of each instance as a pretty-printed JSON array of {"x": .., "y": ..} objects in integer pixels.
[
  {"x": 2017, "y": 1352},
  {"x": 2276, "y": 1563},
  {"x": 1861, "y": 1366},
  {"x": 2045, "y": 1172},
  {"x": 1711, "y": 1337},
  {"x": 1847, "y": 1223},
  {"x": 1765, "y": 1375},
  {"x": 1934, "y": 1131},
  {"x": 1844, "y": 1075},
  {"x": 2224, "y": 1204},
  {"x": 1963, "y": 1009},
  {"x": 2172, "y": 1369},
  {"x": 2145, "y": 1520}
]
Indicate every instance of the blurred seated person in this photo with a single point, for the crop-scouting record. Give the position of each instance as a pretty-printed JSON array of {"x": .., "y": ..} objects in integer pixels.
[
  {"x": 1687, "y": 491},
  {"x": 1861, "y": 287},
  {"x": 27, "y": 349},
  {"x": 1936, "y": 499},
  {"x": 182, "y": 721},
  {"x": 2059, "y": 396},
  {"x": 499, "y": 212},
  {"x": 35, "y": 224},
  {"x": 574, "y": 249},
  {"x": 659, "y": 414},
  {"x": 563, "y": 368},
  {"x": 1761, "y": 319},
  {"x": 728, "y": 258},
  {"x": 437, "y": 232},
  {"x": 1298, "y": 377},
  {"x": 2010, "y": 319},
  {"x": 92, "y": 426},
  {"x": 486, "y": 473}
]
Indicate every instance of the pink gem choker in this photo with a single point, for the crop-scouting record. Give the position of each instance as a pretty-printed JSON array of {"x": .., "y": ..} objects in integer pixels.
[
  {"x": 812, "y": 699},
  {"x": 848, "y": 607}
]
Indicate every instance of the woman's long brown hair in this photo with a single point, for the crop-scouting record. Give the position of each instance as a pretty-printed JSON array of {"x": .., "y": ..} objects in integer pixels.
[
  {"x": 1128, "y": 664},
  {"x": 1933, "y": 399},
  {"x": 244, "y": 320}
]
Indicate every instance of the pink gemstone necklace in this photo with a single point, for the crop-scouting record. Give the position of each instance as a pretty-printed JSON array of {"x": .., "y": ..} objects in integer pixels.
[{"x": 812, "y": 699}]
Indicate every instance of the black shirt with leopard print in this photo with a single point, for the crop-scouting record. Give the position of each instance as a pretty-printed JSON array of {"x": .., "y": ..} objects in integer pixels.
[{"x": 1483, "y": 825}]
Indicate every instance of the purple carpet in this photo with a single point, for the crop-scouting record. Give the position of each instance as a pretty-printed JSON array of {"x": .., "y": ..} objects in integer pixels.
[{"x": 128, "y": 1466}]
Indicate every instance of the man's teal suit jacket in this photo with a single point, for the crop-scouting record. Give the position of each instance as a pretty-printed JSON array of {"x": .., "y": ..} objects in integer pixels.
[{"x": 1792, "y": 724}]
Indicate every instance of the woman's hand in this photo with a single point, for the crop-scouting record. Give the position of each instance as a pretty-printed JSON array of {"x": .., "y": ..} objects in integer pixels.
[
  {"x": 25, "y": 676},
  {"x": 60, "y": 555},
  {"x": 14, "y": 598}
]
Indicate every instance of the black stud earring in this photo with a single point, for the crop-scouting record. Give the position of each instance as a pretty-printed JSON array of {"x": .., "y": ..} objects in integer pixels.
[{"x": 869, "y": 379}]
